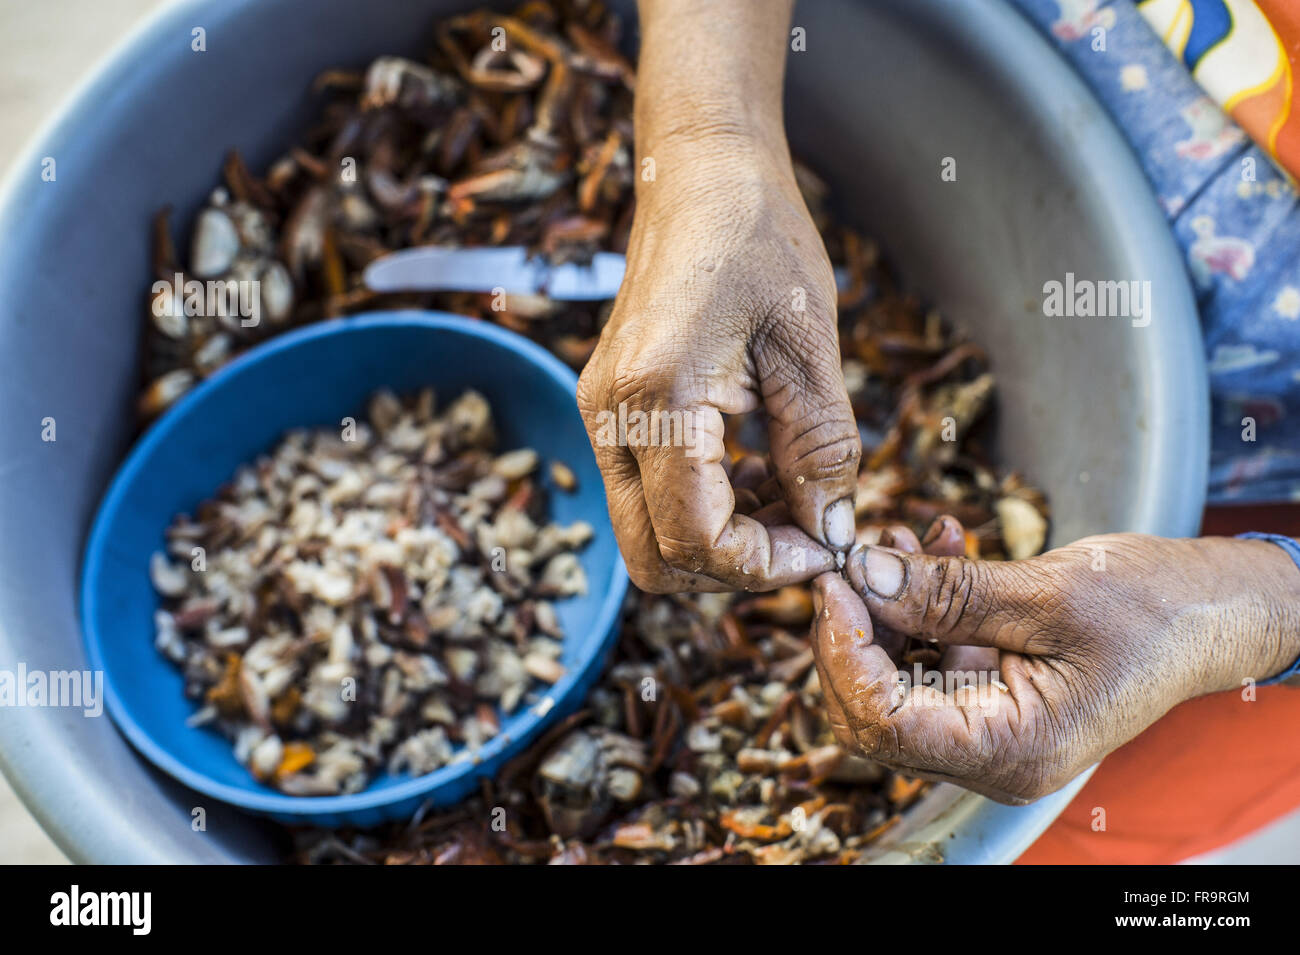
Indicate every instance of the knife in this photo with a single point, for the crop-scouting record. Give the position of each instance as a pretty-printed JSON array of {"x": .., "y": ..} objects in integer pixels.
[{"x": 431, "y": 268}]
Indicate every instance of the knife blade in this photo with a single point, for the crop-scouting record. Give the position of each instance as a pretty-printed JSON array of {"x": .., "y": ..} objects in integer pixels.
[
  {"x": 439, "y": 269},
  {"x": 431, "y": 268}
]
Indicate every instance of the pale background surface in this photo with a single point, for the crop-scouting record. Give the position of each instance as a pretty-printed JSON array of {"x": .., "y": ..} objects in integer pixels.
[{"x": 46, "y": 48}]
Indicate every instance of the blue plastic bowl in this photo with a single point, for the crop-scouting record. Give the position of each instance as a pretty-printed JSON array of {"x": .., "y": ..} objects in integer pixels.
[{"x": 315, "y": 377}]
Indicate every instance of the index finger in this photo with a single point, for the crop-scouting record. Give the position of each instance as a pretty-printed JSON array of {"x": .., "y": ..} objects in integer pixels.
[{"x": 692, "y": 508}]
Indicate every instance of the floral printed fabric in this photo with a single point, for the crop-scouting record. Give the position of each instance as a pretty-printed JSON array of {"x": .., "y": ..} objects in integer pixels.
[
  {"x": 1233, "y": 210},
  {"x": 1244, "y": 54}
]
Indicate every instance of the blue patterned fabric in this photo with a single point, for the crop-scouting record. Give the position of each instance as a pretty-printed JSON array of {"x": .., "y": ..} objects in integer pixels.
[{"x": 1234, "y": 213}]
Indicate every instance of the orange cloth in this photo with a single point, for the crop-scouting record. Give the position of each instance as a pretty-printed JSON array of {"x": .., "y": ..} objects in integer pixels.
[
  {"x": 1211, "y": 771},
  {"x": 1246, "y": 54}
]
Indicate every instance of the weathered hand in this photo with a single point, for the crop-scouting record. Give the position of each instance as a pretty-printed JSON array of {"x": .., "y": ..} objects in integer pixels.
[
  {"x": 1094, "y": 641},
  {"x": 728, "y": 304}
]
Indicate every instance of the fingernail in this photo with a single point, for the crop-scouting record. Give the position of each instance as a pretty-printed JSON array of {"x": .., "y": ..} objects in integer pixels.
[
  {"x": 883, "y": 573},
  {"x": 838, "y": 524},
  {"x": 933, "y": 533},
  {"x": 817, "y": 600}
]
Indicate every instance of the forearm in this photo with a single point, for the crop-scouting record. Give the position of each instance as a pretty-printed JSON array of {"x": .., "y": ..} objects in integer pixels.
[
  {"x": 709, "y": 93},
  {"x": 1253, "y": 610}
]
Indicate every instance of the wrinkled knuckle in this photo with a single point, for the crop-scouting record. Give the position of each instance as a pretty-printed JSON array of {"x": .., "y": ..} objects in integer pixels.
[
  {"x": 630, "y": 385},
  {"x": 654, "y": 383},
  {"x": 956, "y": 596},
  {"x": 687, "y": 554},
  {"x": 827, "y": 449}
]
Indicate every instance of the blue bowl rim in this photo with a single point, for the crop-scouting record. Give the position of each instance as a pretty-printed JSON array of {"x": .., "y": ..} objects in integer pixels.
[{"x": 307, "y": 807}]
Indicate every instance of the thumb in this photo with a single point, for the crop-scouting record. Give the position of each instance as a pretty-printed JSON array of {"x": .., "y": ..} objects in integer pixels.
[
  {"x": 952, "y": 599},
  {"x": 813, "y": 433}
]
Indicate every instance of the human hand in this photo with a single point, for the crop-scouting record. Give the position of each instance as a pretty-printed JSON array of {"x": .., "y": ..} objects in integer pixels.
[
  {"x": 728, "y": 303},
  {"x": 1093, "y": 641}
]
